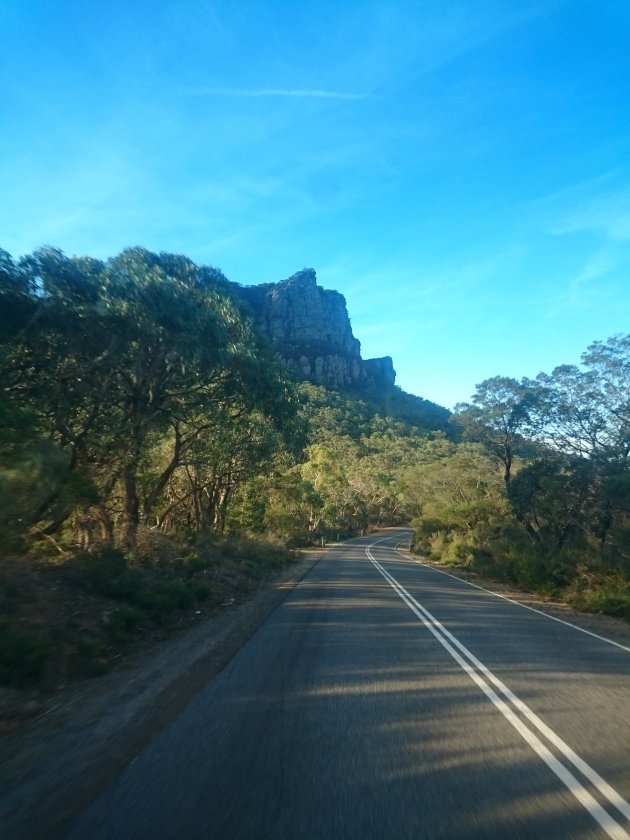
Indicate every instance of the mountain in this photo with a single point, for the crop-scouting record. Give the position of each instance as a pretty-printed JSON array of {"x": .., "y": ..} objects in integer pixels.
[{"x": 310, "y": 328}]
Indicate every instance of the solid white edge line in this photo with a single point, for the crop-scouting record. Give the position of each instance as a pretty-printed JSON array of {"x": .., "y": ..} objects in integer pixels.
[
  {"x": 602, "y": 785},
  {"x": 611, "y": 826},
  {"x": 518, "y": 603}
]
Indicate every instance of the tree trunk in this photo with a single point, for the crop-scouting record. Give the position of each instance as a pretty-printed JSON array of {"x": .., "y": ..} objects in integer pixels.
[
  {"x": 152, "y": 498},
  {"x": 131, "y": 506}
]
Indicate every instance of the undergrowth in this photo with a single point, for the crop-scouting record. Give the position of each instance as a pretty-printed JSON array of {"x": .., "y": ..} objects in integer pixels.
[
  {"x": 552, "y": 574},
  {"x": 23, "y": 655},
  {"x": 111, "y": 600}
]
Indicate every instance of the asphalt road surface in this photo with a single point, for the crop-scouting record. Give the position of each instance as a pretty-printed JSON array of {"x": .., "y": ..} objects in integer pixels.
[{"x": 385, "y": 699}]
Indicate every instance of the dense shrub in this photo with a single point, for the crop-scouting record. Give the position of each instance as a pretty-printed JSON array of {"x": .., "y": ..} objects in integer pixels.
[
  {"x": 23, "y": 656},
  {"x": 122, "y": 620},
  {"x": 144, "y": 592},
  {"x": 606, "y": 595}
]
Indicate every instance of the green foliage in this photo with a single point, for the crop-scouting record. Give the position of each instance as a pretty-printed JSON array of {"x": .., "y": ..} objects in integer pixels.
[
  {"x": 413, "y": 411},
  {"x": 499, "y": 416},
  {"x": 137, "y": 397},
  {"x": 106, "y": 573},
  {"x": 201, "y": 590},
  {"x": 450, "y": 547},
  {"x": 23, "y": 656},
  {"x": 260, "y": 553},
  {"x": 122, "y": 620},
  {"x": 143, "y": 389},
  {"x": 159, "y": 599},
  {"x": 603, "y": 595},
  {"x": 341, "y": 508},
  {"x": 144, "y": 593},
  {"x": 193, "y": 562},
  {"x": 248, "y": 508},
  {"x": 534, "y": 566},
  {"x": 292, "y": 508},
  {"x": 552, "y": 499},
  {"x": 462, "y": 499}
]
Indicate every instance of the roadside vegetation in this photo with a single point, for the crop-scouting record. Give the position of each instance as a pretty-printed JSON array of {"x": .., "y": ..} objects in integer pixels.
[{"x": 157, "y": 460}]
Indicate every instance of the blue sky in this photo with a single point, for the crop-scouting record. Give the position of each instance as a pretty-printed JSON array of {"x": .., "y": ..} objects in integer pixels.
[{"x": 458, "y": 169}]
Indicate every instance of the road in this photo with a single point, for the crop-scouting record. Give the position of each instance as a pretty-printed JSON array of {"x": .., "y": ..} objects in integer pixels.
[{"x": 385, "y": 699}]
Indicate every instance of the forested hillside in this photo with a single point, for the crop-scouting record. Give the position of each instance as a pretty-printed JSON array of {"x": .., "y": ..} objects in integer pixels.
[{"x": 153, "y": 443}]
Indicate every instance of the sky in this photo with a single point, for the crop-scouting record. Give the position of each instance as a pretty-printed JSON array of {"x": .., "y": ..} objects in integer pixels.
[{"x": 458, "y": 169}]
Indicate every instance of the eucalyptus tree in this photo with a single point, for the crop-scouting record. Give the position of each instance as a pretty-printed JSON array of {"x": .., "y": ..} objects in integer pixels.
[
  {"x": 191, "y": 369},
  {"x": 586, "y": 410},
  {"x": 500, "y": 415},
  {"x": 461, "y": 501},
  {"x": 553, "y": 499},
  {"x": 17, "y": 302},
  {"x": 585, "y": 421},
  {"x": 293, "y": 507},
  {"x": 229, "y": 441},
  {"x": 343, "y": 508},
  {"x": 17, "y": 305},
  {"x": 53, "y": 376},
  {"x": 114, "y": 362}
]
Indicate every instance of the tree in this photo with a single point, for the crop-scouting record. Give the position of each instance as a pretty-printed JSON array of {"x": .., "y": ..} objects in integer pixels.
[
  {"x": 193, "y": 370},
  {"x": 53, "y": 380},
  {"x": 500, "y": 415},
  {"x": 461, "y": 501},
  {"x": 129, "y": 370},
  {"x": 552, "y": 498},
  {"x": 293, "y": 507},
  {"x": 342, "y": 509},
  {"x": 585, "y": 416},
  {"x": 586, "y": 411},
  {"x": 17, "y": 301}
]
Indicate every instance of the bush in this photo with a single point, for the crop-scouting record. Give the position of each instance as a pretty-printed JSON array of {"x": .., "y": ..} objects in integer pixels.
[
  {"x": 261, "y": 554},
  {"x": 194, "y": 562},
  {"x": 146, "y": 592},
  {"x": 608, "y": 595},
  {"x": 91, "y": 661},
  {"x": 105, "y": 572},
  {"x": 123, "y": 619},
  {"x": 161, "y": 599},
  {"x": 452, "y": 548},
  {"x": 23, "y": 656},
  {"x": 180, "y": 594},
  {"x": 202, "y": 591}
]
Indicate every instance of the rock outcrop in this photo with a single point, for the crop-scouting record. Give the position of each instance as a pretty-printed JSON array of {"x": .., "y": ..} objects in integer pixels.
[
  {"x": 381, "y": 371},
  {"x": 310, "y": 328}
]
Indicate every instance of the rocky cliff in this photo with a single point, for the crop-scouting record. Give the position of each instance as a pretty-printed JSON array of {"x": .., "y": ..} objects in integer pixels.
[{"x": 310, "y": 328}]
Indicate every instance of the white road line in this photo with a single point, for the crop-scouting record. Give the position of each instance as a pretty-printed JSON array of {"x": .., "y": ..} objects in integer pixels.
[
  {"x": 525, "y": 606},
  {"x": 450, "y": 643}
]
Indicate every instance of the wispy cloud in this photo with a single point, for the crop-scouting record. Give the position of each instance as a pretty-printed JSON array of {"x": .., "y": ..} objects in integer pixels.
[
  {"x": 608, "y": 216},
  {"x": 598, "y": 206},
  {"x": 297, "y": 93},
  {"x": 595, "y": 213},
  {"x": 600, "y": 263}
]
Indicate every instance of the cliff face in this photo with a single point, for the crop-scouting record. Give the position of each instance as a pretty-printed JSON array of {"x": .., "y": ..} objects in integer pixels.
[{"x": 311, "y": 330}]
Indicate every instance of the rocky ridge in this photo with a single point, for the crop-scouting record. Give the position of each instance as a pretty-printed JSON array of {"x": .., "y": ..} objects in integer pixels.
[{"x": 310, "y": 328}]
